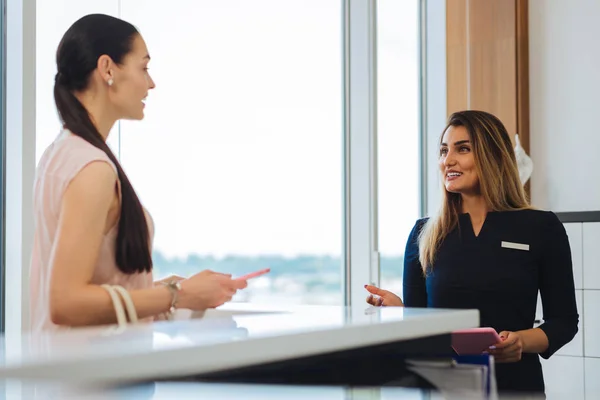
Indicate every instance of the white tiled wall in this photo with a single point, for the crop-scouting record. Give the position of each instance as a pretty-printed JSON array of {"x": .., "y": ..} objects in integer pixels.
[
  {"x": 575, "y": 233},
  {"x": 591, "y": 255},
  {"x": 592, "y": 378},
  {"x": 591, "y": 316},
  {"x": 556, "y": 369},
  {"x": 574, "y": 371}
]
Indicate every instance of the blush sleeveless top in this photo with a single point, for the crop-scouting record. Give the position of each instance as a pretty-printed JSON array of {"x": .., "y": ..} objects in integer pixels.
[{"x": 59, "y": 164}]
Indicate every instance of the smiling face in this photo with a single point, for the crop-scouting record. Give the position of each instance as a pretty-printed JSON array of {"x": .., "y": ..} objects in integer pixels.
[
  {"x": 457, "y": 162},
  {"x": 132, "y": 82}
]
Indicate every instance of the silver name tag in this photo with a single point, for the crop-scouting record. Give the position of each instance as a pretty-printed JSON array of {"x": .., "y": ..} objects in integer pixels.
[{"x": 516, "y": 246}]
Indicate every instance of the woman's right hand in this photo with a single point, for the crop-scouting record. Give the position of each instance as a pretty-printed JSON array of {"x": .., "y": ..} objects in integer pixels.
[
  {"x": 384, "y": 297},
  {"x": 208, "y": 289}
]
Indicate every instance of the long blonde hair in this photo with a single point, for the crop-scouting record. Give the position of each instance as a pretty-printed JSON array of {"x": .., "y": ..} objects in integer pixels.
[{"x": 499, "y": 181}]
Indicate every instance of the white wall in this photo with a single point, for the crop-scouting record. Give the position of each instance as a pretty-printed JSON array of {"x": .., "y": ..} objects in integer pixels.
[{"x": 564, "y": 89}]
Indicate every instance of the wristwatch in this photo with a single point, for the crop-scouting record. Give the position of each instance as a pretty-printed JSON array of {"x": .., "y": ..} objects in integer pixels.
[{"x": 174, "y": 287}]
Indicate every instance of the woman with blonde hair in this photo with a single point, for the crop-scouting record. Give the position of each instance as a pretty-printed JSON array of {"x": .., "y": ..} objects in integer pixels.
[{"x": 488, "y": 249}]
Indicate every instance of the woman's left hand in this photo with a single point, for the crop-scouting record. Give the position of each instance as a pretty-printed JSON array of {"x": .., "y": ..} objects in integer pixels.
[{"x": 510, "y": 349}]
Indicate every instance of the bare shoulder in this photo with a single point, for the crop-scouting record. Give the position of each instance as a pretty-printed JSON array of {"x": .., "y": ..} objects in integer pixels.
[{"x": 94, "y": 184}]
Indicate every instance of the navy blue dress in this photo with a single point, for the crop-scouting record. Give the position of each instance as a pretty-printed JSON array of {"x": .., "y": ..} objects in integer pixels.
[{"x": 486, "y": 272}]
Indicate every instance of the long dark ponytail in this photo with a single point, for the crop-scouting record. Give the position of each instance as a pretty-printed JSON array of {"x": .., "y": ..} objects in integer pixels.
[{"x": 76, "y": 58}]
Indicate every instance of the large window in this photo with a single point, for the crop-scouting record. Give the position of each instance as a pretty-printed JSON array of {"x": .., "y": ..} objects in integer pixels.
[
  {"x": 239, "y": 157},
  {"x": 398, "y": 133}
]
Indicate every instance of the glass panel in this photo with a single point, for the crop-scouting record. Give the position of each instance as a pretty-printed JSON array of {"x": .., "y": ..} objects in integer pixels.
[
  {"x": 398, "y": 133},
  {"x": 239, "y": 158}
]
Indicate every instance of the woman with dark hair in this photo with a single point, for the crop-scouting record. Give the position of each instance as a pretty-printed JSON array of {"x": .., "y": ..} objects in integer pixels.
[
  {"x": 487, "y": 249},
  {"x": 90, "y": 227}
]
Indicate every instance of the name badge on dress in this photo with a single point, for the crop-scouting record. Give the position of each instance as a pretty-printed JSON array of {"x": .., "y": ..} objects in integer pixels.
[{"x": 516, "y": 246}]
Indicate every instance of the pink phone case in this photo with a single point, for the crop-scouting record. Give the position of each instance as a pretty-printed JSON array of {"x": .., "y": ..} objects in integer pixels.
[
  {"x": 474, "y": 340},
  {"x": 254, "y": 274}
]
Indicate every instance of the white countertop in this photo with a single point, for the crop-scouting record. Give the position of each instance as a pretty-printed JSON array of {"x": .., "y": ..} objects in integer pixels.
[
  {"x": 205, "y": 391},
  {"x": 230, "y": 337}
]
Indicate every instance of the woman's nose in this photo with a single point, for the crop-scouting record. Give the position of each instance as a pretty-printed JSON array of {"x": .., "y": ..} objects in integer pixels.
[{"x": 450, "y": 159}]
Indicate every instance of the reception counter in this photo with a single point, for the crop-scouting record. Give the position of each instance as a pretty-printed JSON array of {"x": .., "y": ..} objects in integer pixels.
[{"x": 244, "y": 343}]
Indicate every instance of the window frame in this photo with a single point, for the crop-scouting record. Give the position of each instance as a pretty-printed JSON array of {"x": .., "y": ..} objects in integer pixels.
[
  {"x": 19, "y": 104},
  {"x": 2, "y": 158},
  {"x": 433, "y": 99},
  {"x": 361, "y": 256}
]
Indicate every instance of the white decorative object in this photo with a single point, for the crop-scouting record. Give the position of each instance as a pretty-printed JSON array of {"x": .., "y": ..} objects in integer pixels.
[{"x": 524, "y": 162}]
